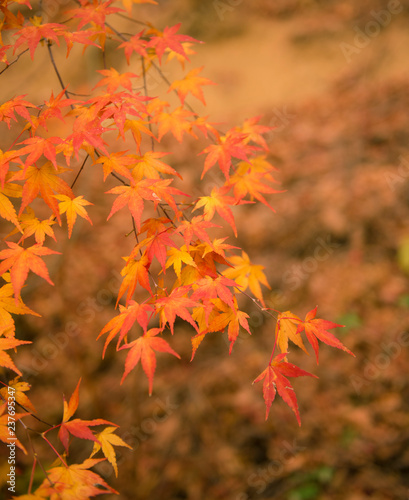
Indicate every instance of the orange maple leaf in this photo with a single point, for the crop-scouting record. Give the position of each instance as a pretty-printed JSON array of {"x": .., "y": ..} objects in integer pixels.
[
  {"x": 133, "y": 196},
  {"x": 37, "y": 146},
  {"x": 176, "y": 122},
  {"x": 113, "y": 79},
  {"x": 77, "y": 427},
  {"x": 317, "y": 329},
  {"x": 143, "y": 349},
  {"x": 173, "y": 305},
  {"x": 125, "y": 320},
  {"x": 43, "y": 181},
  {"x": 136, "y": 270},
  {"x": 197, "y": 226},
  {"x": 191, "y": 83},
  {"x": 20, "y": 260},
  {"x": 275, "y": 380},
  {"x": 16, "y": 105},
  {"x": 216, "y": 201},
  {"x": 73, "y": 482}
]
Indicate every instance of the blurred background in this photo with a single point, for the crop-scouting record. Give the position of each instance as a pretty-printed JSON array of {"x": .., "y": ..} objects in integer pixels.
[{"x": 332, "y": 78}]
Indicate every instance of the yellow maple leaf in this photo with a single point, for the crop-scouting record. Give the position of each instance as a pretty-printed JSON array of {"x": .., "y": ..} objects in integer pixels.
[
  {"x": 286, "y": 329},
  {"x": 106, "y": 441}
]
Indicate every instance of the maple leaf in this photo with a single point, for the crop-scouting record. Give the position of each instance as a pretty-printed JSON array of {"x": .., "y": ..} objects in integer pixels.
[
  {"x": 209, "y": 288},
  {"x": 247, "y": 275},
  {"x": 317, "y": 329},
  {"x": 233, "y": 144},
  {"x": 73, "y": 482},
  {"x": 182, "y": 59},
  {"x": 173, "y": 305},
  {"x": 6, "y": 158},
  {"x": 120, "y": 104},
  {"x": 6, "y": 434},
  {"x": 31, "y": 225},
  {"x": 94, "y": 13},
  {"x": 106, "y": 442},
  {"x": 133, "y": 196},
  {"x": 156, "y": 245},
  {"x": 85, "y": 37},
  {"x": 175, "y": 122},
  {"x": 191, "y": 83},
  {"x": 286, "y": 329},
  {"x": 215, "y": 318},
  {"x": 113, "y": 79},
  {"x": 135, "y": 44},
  {"x": 197, "y": 226},
  {"x": 216, "y": 201},
  {"x": 137, "y": 127},
  {"x": 43, "y": 181},
  {"x": 125, "y": 320},
  {"x": 247, "y": 180},
  {"x": 178, "y": 255},
  {"x": 31, "y": 35},
  {"x": 169, "y": 39},
  {"x": 8, "y": 305},
  {"x": 136, "y": 271},
  {"x": 20, "y": 260},
  {"x": 5, "y": 360},
  {"x": 52, "y": 107},
  {"x": 143, "y": 349},
  {"x": 38, "y": 146},
  {"x": 73, "y": 207},
  {"x": 18, "y": 390},
  {"x": 77, "y": 427},
  {"x": 151, "y": 167},
  {"x": 117, "y": 162},
  {"x": 274, "y": 377},
  {"x": 254, "y": 131},
  {"x": 16, "y": 105},
  {"x": 8, "y": 212}
]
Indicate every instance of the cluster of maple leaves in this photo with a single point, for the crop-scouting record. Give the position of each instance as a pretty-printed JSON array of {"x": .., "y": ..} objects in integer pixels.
[{"x": 184, "y": 272}]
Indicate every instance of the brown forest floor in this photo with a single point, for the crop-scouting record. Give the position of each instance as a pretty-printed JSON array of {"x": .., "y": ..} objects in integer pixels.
[{"x": 339, "y": 239}]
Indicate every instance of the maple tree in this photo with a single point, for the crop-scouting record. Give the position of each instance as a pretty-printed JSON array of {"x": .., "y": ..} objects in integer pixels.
[{"x": 200, "y": 277}]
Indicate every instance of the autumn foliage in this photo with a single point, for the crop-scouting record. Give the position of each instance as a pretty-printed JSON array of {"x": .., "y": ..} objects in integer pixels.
[{"x": 185, "y": 272}]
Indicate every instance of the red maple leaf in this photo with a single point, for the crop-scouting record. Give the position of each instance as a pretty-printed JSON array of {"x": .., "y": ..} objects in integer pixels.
[
  {"x": 125, "y": 320},
  {"x": 275, "y": 380},
  {"x": 317, "y": 329},
  {"x": 143, "y": 349}
]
